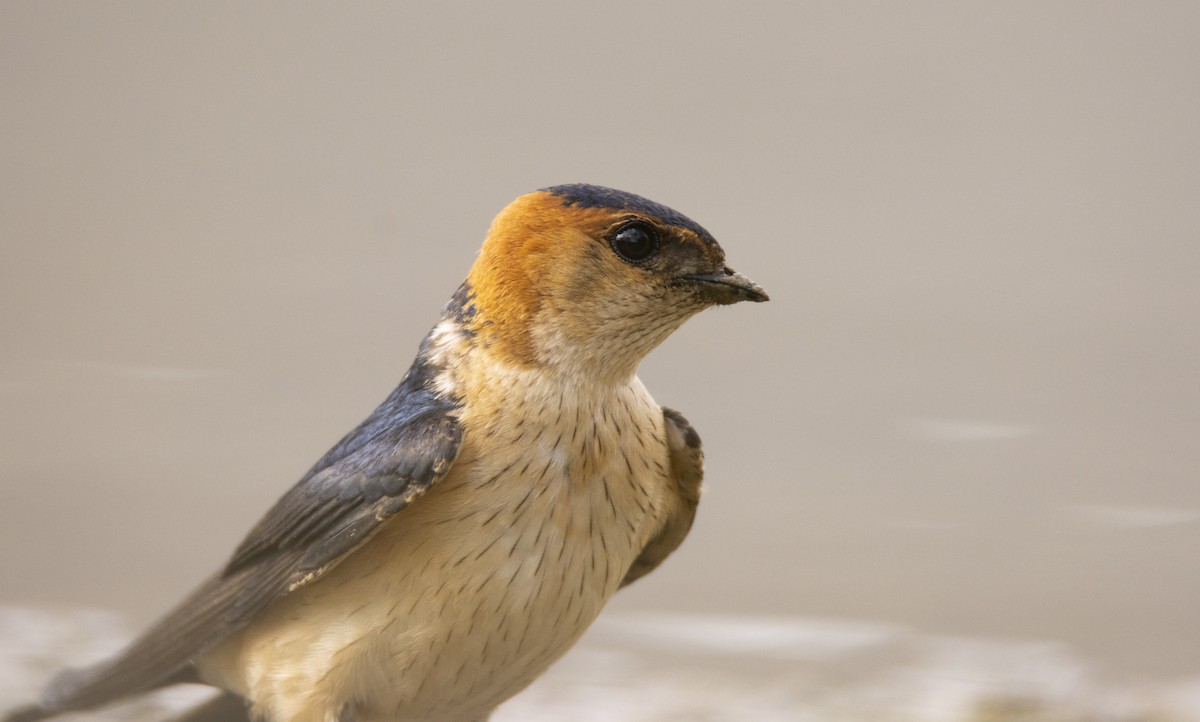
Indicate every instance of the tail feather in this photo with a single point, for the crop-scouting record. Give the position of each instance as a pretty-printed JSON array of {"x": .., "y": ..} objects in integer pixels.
[
  {"x": 30, "y": 713},
  {"x": 225, "y": 707},
  {"x": 158, "y": 658}
]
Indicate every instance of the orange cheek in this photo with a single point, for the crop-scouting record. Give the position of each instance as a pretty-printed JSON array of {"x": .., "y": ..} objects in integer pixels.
[{"x": 540, "y": 256}]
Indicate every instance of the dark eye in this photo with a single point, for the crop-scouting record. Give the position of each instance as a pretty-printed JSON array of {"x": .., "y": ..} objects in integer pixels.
[{"x": 635, "y": 242}]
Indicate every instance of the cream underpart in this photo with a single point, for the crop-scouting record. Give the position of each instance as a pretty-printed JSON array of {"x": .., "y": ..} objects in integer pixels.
[{"x": 469, "y": 594}]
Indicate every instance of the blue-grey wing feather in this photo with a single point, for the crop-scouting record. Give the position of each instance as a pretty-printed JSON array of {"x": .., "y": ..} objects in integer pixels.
[{"x": 397, "y": 453}]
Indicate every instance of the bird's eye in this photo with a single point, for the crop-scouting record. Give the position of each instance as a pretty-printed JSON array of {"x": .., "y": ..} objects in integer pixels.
[{"x": 635, "y": 243}]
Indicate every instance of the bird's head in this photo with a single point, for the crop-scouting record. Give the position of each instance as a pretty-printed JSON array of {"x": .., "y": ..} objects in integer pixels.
[{"x": 586, "y": 279}]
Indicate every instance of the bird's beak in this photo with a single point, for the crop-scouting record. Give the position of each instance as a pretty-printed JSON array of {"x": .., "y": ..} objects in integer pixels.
[{"x": 727, "y": 286}]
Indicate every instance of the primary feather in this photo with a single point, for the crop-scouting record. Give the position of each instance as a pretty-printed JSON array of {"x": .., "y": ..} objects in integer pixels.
[{"x": 402, "y": 449}]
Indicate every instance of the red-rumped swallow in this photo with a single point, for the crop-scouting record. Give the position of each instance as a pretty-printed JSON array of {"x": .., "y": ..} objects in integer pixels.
[{"x": 444, "y": 553}]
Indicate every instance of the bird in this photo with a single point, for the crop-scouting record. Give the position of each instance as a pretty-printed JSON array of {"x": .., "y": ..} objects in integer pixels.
[{"x": 448, "y": 550}]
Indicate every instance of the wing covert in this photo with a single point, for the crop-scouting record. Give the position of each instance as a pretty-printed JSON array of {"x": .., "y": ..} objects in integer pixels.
[{"x": 340, "y": 502}]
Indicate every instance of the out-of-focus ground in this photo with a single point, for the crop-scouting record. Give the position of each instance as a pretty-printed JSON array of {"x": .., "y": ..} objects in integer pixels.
[
  {"x": 653, "y": 667},
  {"x": 970, "y": 412}
]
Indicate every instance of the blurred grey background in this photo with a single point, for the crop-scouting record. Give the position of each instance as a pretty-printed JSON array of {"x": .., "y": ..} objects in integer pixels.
[{"x": 971, "y": 408}]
